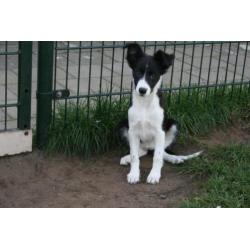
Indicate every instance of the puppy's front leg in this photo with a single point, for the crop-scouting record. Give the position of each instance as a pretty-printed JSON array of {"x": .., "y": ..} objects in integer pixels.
[
  {"x": 155, "y": 173},
  {"x": 134, "y": 142}
]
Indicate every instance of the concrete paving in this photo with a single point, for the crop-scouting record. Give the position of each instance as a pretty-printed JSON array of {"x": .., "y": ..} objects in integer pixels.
[{"x": 95, "y": 73}]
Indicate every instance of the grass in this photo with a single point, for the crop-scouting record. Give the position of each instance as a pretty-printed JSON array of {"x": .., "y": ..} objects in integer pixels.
[
  {"x": 75, "y": 131},
  {"x": 86, "y": 133},
  {"x": 227, "y": 173}
]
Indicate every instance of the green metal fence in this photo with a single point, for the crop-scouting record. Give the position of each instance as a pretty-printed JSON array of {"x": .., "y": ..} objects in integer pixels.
[
  {"x": 87, "y": 70},
  {"x": 15, "y": 85},
  {"x": 76, "y": 72}
]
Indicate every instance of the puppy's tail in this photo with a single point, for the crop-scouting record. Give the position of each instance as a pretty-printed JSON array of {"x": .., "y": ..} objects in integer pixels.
[{"x": 177, "y": 159}]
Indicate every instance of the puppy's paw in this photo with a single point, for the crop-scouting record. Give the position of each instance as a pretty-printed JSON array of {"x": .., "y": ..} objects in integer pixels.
[
  {"x": 133, "y": 177},
  {"x": 125, "y": 160},
  {"x": 154, "y": 177}
]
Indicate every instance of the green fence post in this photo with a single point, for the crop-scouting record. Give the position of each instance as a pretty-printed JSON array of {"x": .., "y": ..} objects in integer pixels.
[
  {"x": 24, "y": 85},
  {"x": 44, "y": 91}
]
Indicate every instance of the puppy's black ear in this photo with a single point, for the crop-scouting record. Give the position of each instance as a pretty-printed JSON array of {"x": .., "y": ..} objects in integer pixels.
[
  {"x": 134, "y": 53},
  {"x": 164, "y": 60}
]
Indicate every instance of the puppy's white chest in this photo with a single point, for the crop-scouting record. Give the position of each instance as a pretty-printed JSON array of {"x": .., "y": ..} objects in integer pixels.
[
  {"x": 145, "y": 122},
  {"x": 144, "y": 128}
]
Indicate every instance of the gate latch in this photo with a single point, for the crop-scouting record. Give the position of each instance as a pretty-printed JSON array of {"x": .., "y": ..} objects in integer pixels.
[{"x": 60, "y": 93}]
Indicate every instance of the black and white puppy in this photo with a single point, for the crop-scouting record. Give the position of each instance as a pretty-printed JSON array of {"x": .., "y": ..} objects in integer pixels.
[{"x": 147, "y": 128}]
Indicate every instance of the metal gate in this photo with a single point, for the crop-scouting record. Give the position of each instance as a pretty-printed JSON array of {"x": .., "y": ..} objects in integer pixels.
[{"x": 15, "y": 97}]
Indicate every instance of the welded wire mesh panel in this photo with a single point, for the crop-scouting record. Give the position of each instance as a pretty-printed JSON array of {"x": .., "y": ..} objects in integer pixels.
[
  {"x": 211, "y": 63},
  {"x": 95, "y": 69},
  {"x": 8, "y": 85}
]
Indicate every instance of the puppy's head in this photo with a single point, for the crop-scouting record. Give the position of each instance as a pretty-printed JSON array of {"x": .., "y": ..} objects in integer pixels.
[{"x": 147, "y": 70}]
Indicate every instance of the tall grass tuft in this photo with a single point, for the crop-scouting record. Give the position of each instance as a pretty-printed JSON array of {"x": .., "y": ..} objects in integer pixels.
[{"x": 88, "y": 133}]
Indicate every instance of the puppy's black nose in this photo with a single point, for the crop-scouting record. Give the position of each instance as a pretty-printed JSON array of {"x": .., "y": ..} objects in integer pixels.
[{"x": 142, "y": 91}]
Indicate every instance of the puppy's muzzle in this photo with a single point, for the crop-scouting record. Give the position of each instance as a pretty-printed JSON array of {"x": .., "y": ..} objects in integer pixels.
[{"x": 142, "y": 91}]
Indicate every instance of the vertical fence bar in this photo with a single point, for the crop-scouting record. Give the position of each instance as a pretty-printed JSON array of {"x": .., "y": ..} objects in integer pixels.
[
  {"x": 6, "y": 86},
  {"x": 227, "y": 64},
  {"x": 209, "y": 69},
  {"x": 243, "y": 69},
  {"x": 112, "y": 74},
  {"x": 24, "y": 85},
  {"x": 66, "y": 84},
  {"x": 122, "y": 69},
  {"x": 200, "y": 69},
  {"x": 235, "y": 67},
  {"x": 90, "y": 72},
  {"x": 54, "y": 84},
  {"x": 78, "y": 79},
  {"x": 172, "y": 76},
  {"x": 182, "y": 69},
  {"x": 101, "y": 72},
  {"x": 191, "y": 69},
  {"x": 218, "y": 69},
  {"x": 44, "y": 91}
]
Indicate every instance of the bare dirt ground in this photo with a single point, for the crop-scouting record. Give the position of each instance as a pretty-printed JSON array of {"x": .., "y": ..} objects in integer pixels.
[{"x": 39, "y": 180}]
